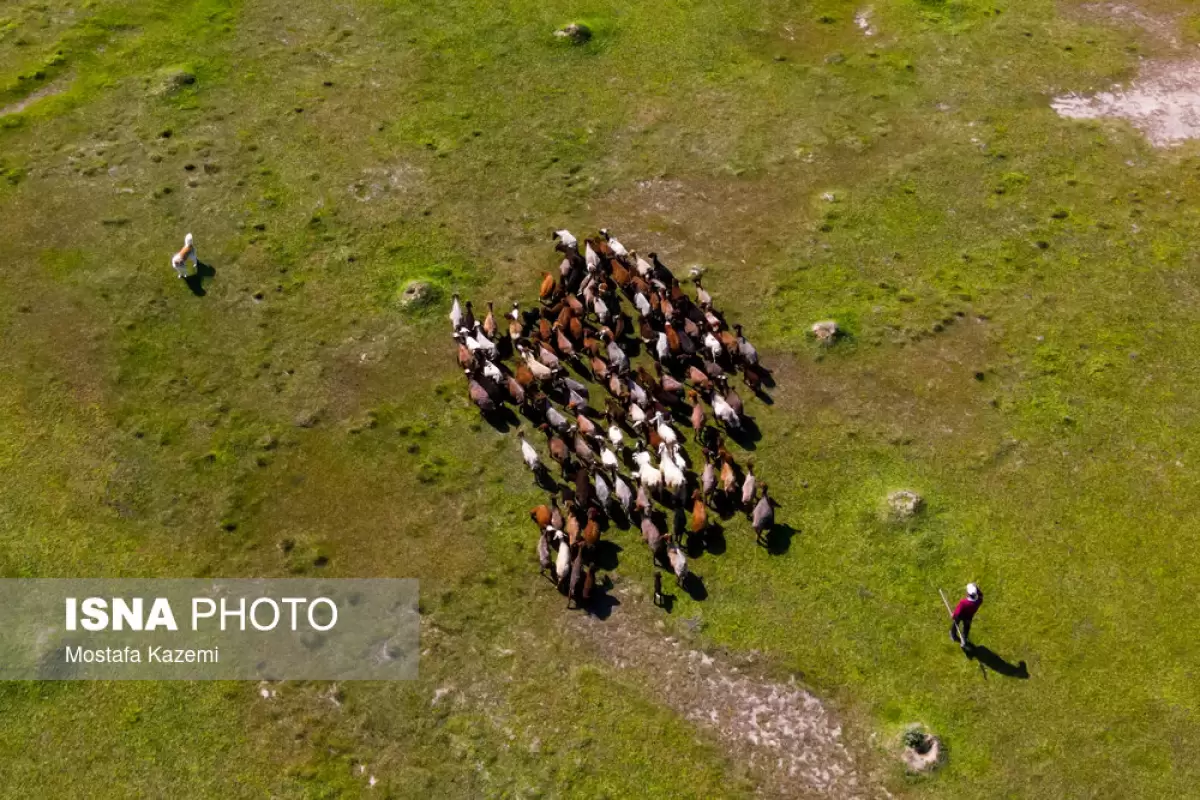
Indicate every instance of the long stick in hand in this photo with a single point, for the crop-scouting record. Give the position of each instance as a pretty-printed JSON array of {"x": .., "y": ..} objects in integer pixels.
[{"x": 962, "y": 640}]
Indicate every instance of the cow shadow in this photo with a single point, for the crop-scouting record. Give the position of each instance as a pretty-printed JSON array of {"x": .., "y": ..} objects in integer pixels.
[
  {"x": 779, "y": 539},
  {"x": 763, "y": 397},
  {"x": 502, "y": 419},
  {"x": 618, "y": 518},
  {"x": 602, "y": 603},
  {"x": 748, "y": 435},
  {"x": 605, "y": 555},
  {"x": 693, "y": 584},
  {"x": 195, "y": 281},
  {"x": 712, "y": 541}
]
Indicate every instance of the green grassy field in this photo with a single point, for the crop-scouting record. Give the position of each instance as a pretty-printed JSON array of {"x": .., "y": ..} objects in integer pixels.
[{"x": 1017, "y": 289}]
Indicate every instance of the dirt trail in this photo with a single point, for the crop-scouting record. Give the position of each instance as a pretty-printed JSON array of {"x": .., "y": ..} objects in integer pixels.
[
  {"x": 26, "y": 102},
  {"x": 791, "y": 741}
]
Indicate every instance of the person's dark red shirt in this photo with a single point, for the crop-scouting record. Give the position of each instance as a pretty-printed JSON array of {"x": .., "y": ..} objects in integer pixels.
[{"x": 967, "y": 607}]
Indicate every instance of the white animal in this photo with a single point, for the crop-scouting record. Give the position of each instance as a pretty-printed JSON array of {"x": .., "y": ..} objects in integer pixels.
[
  {"x": 643, "y": 305},
  {"x": 469, "y": 340},
  {"x": 649, "y": 477},
  {"x": 483, "y": 341},
  {"x": 532, "y": 460},
  {"x": 456, "y": 313},
  {"x": 644, "y": 267},
  {"x": 616, "y": 246},
  {"x": 492, "y": 371},
  {"x": 665, "y": 431},
  {"x": 671, "y": 473},
  {"x": 589, "y": 255},
  {"x": 601, "y": 309},
  {"x": 564, "y": 559},
  {"x": 662, "y": 348},
  {"x": 564, "y": 236},
  {"x": 713, "y": 344},
  {"x": 724, "y": 412},
  {"x": 637, "y": 417},
  {"x": 608, "y": 459},
  {"x": 616, "y": 437},
  {"x": 187, "y": 253}
]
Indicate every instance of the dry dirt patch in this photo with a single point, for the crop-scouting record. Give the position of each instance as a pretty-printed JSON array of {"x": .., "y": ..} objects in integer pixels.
[
  {"x": 1162, "y": 27},
  {"x": 26, "y": 102},
  {"x": 789, "y": 738},
  {"x": 1163, "y": 103}
]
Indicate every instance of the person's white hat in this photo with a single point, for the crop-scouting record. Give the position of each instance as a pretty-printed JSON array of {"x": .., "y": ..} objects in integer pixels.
[{"x": 972, "y": 591}]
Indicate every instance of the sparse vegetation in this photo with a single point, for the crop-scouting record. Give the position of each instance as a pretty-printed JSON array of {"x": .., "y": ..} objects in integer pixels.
[{"x": 341, "y": 152}]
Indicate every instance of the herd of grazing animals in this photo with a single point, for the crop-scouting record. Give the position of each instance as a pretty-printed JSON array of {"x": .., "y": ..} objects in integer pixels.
[{"x": 625, "y": 459}]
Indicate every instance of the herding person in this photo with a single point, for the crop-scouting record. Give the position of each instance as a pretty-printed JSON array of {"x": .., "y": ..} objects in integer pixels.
[
  {"x": 962, "y": 615},
  {"x": 180, "y": 260}
]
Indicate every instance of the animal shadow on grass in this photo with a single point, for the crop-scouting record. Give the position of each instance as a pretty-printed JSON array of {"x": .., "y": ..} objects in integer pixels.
[
  {"x": 995, "y": 663},
  {"x": 779, "y": 539},
  {"x": 693, "y": 584},
  {"x": 605, "y": 555},
  {"x": 502, "y": 419},
  {"x": 712, "y": 541},
  {"x": 195, "y": 281},
  {"x": 724, "y": 505},
  {"x": 618, "y": 518},
  {"x": 747, "y": 435},
  {"x": 602, "y": 603}
]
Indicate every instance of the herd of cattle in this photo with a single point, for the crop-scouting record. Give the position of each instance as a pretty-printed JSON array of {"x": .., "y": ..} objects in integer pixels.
[{"x": 623, "y": 462}]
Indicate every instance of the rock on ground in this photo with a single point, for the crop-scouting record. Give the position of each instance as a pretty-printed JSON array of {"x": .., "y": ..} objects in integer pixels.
[
  {"x": 416, "y": 294},
  {"x": 925, "y": 758},
  {"x": 826, "y": 331},
  {"x": 904, "y": 504},
  {"x": 576, "y": 33}
]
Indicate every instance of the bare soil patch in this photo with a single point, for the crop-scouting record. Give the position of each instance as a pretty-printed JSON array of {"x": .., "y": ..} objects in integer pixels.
[
  {"x": 26, "y": 102},
  {"x": 791, "y": 741},
  {"x": 1162, "y": 27},
  {"x": 1163, "y": 103}
]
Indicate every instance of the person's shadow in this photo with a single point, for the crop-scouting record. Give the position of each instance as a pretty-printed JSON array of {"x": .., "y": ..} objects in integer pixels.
[
  {"x": 995, "y": 663},
  {"x": 195, "y": 281}
]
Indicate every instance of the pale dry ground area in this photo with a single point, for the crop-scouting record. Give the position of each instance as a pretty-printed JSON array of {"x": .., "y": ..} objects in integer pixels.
[
  {"x": 1163, "y": 101},
  {"x": 792, "y": 742}
]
